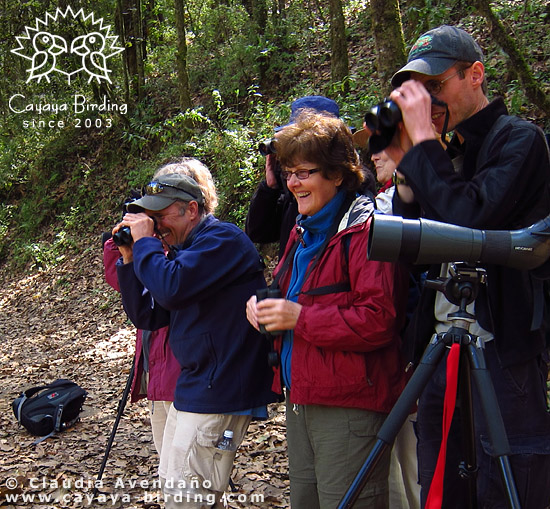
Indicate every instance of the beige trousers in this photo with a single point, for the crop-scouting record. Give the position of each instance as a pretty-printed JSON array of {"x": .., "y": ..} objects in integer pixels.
[
  {"x": 194, "y": 472},
  {"x": 158, "y": 413}
]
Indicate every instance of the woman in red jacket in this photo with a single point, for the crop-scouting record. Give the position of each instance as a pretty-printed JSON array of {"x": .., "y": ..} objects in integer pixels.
[{"x": 340, "y": 355}]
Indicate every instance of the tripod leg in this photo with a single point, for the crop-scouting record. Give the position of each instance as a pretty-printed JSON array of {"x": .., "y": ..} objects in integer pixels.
[
  {"x": 493, "y": 418},
  {"x": 121, "y": 405},
  {"x": 394, "y": 422},
  {"x": 468, "y": 468}
]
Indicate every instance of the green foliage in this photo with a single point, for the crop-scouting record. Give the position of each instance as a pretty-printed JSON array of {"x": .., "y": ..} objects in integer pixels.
[
  {"x": 44, "y": 254},
  {"x": 59, "y": 184}
]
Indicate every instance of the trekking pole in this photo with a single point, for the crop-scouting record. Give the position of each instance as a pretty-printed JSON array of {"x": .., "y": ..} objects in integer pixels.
[{"x": 121, "y": 406}]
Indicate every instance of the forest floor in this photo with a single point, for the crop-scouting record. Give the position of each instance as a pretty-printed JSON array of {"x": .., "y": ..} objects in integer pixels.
[{"x": 68, "y": 323}]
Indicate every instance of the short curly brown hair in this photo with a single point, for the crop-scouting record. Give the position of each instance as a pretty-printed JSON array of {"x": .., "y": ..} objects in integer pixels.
[{"x": 323, "y": 140}]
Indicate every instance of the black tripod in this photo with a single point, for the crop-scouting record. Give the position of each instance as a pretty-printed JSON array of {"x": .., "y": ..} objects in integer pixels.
[{"x": 461, "y": 289}]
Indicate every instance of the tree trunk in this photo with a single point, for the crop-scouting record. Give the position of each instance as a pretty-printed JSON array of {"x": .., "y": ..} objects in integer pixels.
[
  {"x": 130, "y": 32},
  {"x": 181, "y": 57},
  {"x": 339, "y": 63},
  {"x": 257, "y": 10},
  {"x": 388, "y": 38},
  {"x": 119, "y": 24},
  {"x": 532, "y": 90}
]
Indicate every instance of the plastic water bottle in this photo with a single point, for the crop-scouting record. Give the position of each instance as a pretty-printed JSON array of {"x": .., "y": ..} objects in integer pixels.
[{"x": 226, "y": 442}]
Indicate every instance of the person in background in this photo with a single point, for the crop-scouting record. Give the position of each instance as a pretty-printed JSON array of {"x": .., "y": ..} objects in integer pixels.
[
  {"x": 156, "y": 370},
  {"x": 273, "y": 209},
  {"x": 385, "y": 167},
  {"x": 404, "y": 487},
  {"x": 495, "y": 174},
  {"x": 340, "y": 360},
  {"x": 199, "y": 289}
]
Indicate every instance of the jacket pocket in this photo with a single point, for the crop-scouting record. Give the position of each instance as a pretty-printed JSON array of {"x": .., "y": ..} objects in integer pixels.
[{"x": 198, "y": 358}]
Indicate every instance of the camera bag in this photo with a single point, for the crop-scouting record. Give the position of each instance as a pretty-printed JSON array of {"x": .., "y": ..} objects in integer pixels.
[{"x": 46, "y": 409}]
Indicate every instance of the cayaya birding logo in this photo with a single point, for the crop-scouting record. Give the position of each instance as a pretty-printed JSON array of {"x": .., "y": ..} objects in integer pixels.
[{"x": 50, "y": 53}]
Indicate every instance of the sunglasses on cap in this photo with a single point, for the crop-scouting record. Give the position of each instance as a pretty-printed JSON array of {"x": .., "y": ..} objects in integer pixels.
[{"x": 155, "y": 187}]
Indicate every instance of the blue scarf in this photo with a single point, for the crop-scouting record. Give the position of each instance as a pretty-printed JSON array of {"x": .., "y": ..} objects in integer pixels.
[{"x": 315, "y": 230}]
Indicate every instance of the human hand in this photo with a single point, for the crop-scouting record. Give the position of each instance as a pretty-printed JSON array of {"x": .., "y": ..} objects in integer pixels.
[
  {"x": 399, "y": 144},
  {"x": 415, "y": 104},
  {"x": 404, "y": 191},
  {"x": 270, "y": 165},
  {"x": 141, "y": 225},
  {"x": 273, "y": 314}
]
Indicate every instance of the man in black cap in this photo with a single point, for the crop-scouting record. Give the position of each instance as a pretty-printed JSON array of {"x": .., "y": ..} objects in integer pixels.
[
  {"x": 200, "y": 290},
  {"x": 494, "y": 174}
]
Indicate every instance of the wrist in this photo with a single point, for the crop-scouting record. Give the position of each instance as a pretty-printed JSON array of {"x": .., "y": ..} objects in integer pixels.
[{"x": 397, "y": 180}]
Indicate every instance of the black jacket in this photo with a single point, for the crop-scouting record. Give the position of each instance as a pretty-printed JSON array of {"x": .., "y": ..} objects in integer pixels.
[
  {"x": 503, "y": 185},
  {"x": 271, "y": 216}
]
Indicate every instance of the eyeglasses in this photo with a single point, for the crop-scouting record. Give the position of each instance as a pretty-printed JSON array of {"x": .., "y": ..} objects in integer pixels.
[
  {"x": 158, "y": 187},
  {"x": 434, "y": 86},
  {"x": 300, "y": 174}
]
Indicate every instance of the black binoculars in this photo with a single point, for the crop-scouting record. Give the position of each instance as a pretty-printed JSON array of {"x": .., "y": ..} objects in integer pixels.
[
  {"x": 270, "y": 293},
  {"x": 384, "y": 115},
  {"x": 123, "y": 237},
  {"x": 382, "y": 120},
  {"x": 267, "y": 147}
]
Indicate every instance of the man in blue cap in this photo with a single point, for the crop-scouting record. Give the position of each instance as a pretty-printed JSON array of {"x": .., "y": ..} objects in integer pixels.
[{"x": 494, "y": 174}]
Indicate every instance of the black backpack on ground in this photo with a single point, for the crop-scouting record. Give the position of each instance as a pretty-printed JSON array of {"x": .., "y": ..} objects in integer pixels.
[{"x": 51, "y": 408}]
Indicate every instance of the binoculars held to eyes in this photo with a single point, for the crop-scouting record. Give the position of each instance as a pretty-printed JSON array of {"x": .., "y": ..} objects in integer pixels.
[
  {"x": 384, "y": 115},
  {"x": 123, "y": 237},
  {"x": 267, "y": 147},
  {"x": 382, "y": 120}
]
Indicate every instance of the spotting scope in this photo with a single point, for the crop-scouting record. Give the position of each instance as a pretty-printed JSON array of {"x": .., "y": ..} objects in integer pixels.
[{"x": 424, "y": 241}]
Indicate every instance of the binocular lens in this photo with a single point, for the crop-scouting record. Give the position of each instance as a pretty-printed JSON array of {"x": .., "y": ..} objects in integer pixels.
[
  {"x": 389, "y": 114},
  {"x": 372, "y": 118},
  {"x": 123, "y": 237}
]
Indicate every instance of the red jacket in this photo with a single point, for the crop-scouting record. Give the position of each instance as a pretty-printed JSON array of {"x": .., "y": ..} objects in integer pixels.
[
  {"x": 346, "y": 349},
  {"x": 164, "y": 369}
]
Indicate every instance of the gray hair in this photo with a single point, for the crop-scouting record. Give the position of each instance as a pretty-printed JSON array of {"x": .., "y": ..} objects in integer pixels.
[{"x": 199, "y": 173}]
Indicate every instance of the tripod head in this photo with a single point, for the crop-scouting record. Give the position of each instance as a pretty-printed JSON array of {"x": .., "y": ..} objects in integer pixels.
[{"x": 462, "y": 287}]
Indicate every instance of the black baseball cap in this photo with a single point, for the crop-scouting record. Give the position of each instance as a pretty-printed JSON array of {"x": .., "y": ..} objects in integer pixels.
[{"x": 436, "y": 51}]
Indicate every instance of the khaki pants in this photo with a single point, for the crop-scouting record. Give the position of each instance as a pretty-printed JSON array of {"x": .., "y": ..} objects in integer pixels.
[
  {"x": 404, "y": 487},
  {"x": 158, "y": 413},
  {"x": 194, "y": 473}
]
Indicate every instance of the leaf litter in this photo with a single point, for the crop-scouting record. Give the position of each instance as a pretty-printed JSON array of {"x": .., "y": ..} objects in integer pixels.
[{"x": 66, "y": 322}]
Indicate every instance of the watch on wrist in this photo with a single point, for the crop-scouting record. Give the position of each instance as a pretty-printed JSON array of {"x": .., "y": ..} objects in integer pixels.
[{"x": 398, "y": 180}]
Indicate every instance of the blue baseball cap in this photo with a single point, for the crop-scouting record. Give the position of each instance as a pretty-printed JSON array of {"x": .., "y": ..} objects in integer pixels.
[{"x": 318, "y": 103}]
